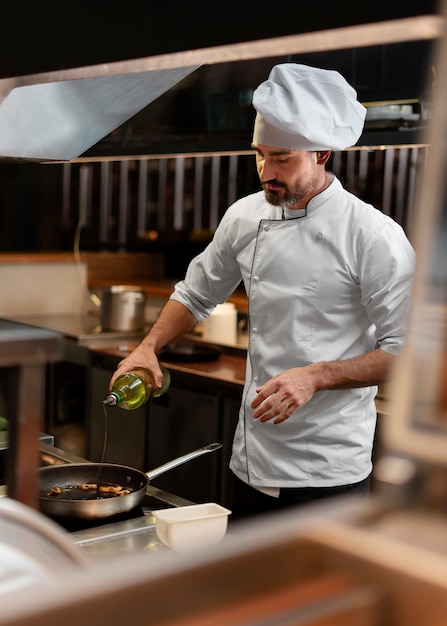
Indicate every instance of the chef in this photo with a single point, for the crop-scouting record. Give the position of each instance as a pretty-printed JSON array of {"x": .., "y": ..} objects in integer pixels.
[{"x": 328, "y": 279}]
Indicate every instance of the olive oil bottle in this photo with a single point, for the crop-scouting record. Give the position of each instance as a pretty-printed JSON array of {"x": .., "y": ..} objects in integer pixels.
[{"x": 132, "y": 389}]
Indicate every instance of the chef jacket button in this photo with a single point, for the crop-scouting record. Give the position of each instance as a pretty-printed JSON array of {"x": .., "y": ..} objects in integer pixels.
[
  {"x": 320, "y": 235},
  {"x": 256, "y": 279},
  {"x": 266, "y": 228},
  {"x": 255, "y": 330},
  {"x": 255, "y": 379}
]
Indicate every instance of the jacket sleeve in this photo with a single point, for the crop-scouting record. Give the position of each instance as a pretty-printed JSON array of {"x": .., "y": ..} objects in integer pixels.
[
  {"x": 213, "y": 275},
  {"x": 386, "y": 279}
]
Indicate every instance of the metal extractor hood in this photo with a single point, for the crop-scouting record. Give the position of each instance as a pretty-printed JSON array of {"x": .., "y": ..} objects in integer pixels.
[{"x": 49, "y": 118}]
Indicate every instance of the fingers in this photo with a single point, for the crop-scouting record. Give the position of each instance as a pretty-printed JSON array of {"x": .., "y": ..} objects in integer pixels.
[
  {"x": 138, "y": 358},
  {"x": 266, "y": 407},
  {"x": 274, "y": 407},
  {"x": 282, "y": 395}
]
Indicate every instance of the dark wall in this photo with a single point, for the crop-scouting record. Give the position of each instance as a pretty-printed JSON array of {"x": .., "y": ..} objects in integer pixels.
[{"x": 30, "y": 207}]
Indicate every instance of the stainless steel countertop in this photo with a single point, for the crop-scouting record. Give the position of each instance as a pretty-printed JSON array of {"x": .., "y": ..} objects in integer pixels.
[
  {"x": 85, "y": 329},
  {"x": 119, "y": 539}
]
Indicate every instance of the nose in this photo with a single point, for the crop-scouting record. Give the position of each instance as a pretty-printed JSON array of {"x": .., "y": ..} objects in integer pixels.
[{"x": 266, "y": 171}]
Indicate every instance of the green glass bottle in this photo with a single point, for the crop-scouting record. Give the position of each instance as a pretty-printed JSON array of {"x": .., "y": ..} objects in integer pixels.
[{"x": 132, "y": 389}]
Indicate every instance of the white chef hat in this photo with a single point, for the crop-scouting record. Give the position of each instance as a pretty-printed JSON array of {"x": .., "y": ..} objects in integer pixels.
[{"x": 307, "y": 108}]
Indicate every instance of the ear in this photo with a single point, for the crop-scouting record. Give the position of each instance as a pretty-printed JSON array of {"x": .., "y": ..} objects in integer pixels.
[{"x": 323, "y": 157}]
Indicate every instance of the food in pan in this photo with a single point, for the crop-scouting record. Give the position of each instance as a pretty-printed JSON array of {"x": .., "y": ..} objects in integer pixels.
[
  {"x": 102, "y": 490},
  {"x": 113, "y": 489}
]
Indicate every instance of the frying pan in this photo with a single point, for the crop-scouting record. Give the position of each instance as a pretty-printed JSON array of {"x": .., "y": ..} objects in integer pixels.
[
  {"x": 189, "y": 353},
  {"x": 75, "y": 503}
]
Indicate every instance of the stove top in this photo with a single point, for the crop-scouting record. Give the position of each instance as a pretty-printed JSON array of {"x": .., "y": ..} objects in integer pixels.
[
  {"x": 149, "y": 503},
  {"x": 121, "y": 534}
]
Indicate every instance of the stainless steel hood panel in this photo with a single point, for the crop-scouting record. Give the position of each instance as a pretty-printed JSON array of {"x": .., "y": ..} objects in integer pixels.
[{"x": 60, "y": 120}]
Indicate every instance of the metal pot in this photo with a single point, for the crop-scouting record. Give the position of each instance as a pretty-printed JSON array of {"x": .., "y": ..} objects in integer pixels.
[
  {"x": 73, "y": 502},
  {"x": 122, "y": 308}
]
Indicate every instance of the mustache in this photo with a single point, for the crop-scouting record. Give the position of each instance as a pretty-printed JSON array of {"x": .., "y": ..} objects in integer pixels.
[{"x": 274, "y": 182}]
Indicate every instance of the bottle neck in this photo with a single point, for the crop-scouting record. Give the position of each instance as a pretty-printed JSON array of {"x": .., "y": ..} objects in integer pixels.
[{"x": 111, "y": 399}]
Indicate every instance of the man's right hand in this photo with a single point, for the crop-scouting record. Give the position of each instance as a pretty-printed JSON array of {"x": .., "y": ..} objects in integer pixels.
[{"x": 142, "y": 356}]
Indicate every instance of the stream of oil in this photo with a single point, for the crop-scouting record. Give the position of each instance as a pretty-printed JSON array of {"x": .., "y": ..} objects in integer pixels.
[{"x": 104, "y": 445}]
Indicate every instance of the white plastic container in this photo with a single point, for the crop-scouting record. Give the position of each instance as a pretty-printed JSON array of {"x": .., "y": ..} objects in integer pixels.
[
  {"x": 221, "y": 325},
  {"x": 187, "y": 528}
]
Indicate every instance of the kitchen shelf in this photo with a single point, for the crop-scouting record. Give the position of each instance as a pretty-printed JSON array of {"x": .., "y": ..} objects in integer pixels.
[{"x": 170, "y": 146}]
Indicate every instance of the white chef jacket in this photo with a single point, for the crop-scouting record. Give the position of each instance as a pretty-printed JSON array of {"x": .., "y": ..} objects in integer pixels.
[{"x": 331, "y": 284}]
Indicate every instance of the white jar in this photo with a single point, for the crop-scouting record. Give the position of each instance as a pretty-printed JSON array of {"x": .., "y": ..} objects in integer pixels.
[{"x": 221, "y": 325}]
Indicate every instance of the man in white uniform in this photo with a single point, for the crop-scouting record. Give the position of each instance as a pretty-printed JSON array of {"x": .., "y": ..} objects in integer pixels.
[{"x": 328, "y": 279}]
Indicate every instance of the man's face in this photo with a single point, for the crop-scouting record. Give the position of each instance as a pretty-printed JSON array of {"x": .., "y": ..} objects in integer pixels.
[{"x": 289, "y": 178}]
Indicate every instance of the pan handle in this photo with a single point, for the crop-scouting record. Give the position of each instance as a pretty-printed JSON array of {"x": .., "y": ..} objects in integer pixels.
[{"x": 182, "y": 459}]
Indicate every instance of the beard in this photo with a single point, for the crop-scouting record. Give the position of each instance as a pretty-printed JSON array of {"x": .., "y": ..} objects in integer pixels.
[{"x": 288, "y": 197}]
